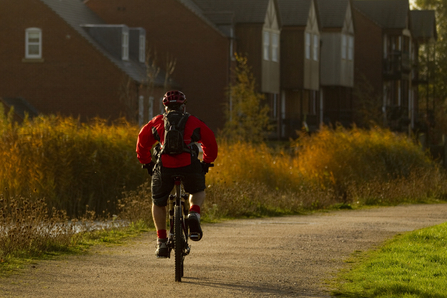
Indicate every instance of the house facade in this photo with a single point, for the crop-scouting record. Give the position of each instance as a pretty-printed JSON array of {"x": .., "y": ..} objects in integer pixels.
[
  {"x": 300, "y": 66},
  {"x": 185, "y": 44},
  {"x": 256, "y": 29},
  {"x": 391, "y": 43},
  {"x": 337, "y": 61},
  {"x": 50, "y": 60},
  {"x": 316, "y": 61}
]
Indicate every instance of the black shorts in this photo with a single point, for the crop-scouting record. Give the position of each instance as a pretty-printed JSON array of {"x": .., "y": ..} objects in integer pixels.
[{"x": 162, "y": 182}]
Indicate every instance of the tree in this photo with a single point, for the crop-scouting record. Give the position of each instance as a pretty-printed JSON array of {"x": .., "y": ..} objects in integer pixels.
[
  {"x": 438, "y": 75},
  {"x": 247, "y": 116}
]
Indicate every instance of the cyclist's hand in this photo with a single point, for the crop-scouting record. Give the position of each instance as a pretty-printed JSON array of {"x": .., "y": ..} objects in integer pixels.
[
  {"x": 206, "y": 166},
  {"x": 149, "y": 167}
]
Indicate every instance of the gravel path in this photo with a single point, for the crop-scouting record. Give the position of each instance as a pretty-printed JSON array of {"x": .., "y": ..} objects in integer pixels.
[{"x": 274, "y": 257}]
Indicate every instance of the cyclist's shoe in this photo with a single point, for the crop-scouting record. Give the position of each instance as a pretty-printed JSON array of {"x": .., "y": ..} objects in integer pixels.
[
  {"x": 195, "y": 231},
  {"x": 162, "y": 248}
]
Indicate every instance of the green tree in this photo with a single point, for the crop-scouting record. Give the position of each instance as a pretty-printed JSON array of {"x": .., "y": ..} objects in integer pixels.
[{"x": 247, "y": 115}]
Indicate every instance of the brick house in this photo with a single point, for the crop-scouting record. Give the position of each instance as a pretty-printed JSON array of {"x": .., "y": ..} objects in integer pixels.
[
  {"x": 424, "y": 36},
  {"x": 87, "y": 57},
  {"x": 337, "y": 61},
  {"x": 50, "y": 60},
  {"x": 300, "y": 66},
  {"x": 386, "y": 49},
  {"x": 254, "y": 27},
  {"x": 178, "y": 31}
]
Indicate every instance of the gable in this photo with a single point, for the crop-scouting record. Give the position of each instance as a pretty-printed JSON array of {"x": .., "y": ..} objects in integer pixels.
[
  {"x": 271, "y": 17},
  {"x": 348, "y": 24},
  {"x": 312, "y": 20}
]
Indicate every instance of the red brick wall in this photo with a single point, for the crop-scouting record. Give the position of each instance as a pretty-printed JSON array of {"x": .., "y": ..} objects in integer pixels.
[
  {"x": 74, "y": 79},
  {"x": 201, "y": 52},
  {"x": 368, "y": 52}
]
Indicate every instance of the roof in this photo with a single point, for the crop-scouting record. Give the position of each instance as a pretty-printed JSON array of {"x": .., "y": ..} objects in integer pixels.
[
  {"x": 191, "y": 5},
  {"x": 423, "y": 24},
  {"x": 245, "y": 11},
  {"x": 294, "y": 13},
  {"x": 332, "y": 13},
  {"x": 21, "y": 106},
  {"x": 76, "y": 14},
  {"x": 388, "y": 14}
]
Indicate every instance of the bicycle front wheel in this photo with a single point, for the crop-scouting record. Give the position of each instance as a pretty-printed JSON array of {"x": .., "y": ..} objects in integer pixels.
[{"x": 178, "y": 243}]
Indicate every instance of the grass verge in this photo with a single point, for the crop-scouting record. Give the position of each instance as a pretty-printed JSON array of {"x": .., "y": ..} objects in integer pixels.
[
  {"x": 410, "y": 265},
  {"x": 80, "y": 245}
]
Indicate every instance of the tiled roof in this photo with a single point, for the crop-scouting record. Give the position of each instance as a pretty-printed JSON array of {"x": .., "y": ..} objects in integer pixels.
[
  {"x": 332, "y": 13},
  {"x": 293, "y": 12},
  {"x": 245, "y": 11},
  {"x": 21, "y": 106},
  {"x": 75, "y": 13},
  {"x": 423, "y": 24},
  {"x": 389, "y": 14}
]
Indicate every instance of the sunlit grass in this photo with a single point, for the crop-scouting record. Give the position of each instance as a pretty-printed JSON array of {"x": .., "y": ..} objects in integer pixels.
[{"x": 411, "y": 265}]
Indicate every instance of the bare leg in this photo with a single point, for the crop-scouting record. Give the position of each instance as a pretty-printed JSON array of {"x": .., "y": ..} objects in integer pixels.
[
  {"x": 197, "y": 198},
  {"x": 159, "y": 215}
]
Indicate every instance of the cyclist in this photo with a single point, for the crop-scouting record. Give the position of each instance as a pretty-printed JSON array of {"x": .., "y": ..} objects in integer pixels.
[{"x": 186, "y": 164}]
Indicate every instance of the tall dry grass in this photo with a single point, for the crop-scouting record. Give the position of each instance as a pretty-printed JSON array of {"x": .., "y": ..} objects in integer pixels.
[
  {"x": 67, "y": 163},
  {"x": 56, "y": 168}
]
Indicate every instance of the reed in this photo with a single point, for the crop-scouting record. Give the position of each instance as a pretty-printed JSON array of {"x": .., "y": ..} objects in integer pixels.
[{"x": 69, "y": 164}]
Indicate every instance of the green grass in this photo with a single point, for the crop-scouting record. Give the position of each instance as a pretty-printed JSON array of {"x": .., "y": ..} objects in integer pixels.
[{"x": 410, "y": 265}]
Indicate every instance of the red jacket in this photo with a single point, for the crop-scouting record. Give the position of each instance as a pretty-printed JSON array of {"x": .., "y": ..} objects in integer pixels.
[{"x": 147, "y": 138}]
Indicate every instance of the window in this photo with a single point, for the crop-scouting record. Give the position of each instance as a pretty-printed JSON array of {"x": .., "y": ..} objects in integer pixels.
[
  {"x": 344, "y": 45},
  {"x": 350, "y": 47},
  {"x": 33, "y": 43},
  {"x": 275, "y": 47},
  {"x": 142, "y": 52},
  {"x": 307, "y": 45},
  {"x": 316, "y": 46},
  {"x": 125, "y": 46},
  {"x": 266, "y": 45}
]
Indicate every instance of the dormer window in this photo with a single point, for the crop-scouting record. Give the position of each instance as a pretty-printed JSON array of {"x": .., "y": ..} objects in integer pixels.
[
  {"x": 307, "y": 45},
  {"x": 142, "y": 50},
  {"x": 266, "y": 45},
  {"x": 275, "y": 47},
  {"x": 33, "y": 43},
  {"x": 125, "y": 46}
]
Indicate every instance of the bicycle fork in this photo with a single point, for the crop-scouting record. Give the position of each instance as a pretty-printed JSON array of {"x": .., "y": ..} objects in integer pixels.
[{"x": 173, "y": 201}]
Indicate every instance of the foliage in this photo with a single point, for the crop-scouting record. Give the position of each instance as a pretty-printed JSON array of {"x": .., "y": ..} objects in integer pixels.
[
  {"x": 411, "y": 265},
  {"x": 439, "y": 69},
  {"x": 67, "y": 163},
  {"x": 247, "y": 117}
]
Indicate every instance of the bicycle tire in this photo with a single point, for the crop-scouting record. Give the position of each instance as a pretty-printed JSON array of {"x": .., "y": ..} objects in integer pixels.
[{"x": 178, "y": 243}]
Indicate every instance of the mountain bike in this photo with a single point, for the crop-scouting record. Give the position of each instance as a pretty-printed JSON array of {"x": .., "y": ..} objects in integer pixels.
[{"x": 178, "y": 226}]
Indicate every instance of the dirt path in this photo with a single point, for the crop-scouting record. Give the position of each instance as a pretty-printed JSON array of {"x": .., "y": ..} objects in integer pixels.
[{"x": 274, "y": 257}]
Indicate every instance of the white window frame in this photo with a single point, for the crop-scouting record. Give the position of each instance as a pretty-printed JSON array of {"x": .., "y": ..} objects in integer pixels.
[
  {"x": 307, "y": 45},
  {"x": 316, "y": 47},
  {"x": 125, "y": 46},
  {"x": 275, "y": 47},
  {"x": 28, "y": 43},
  {"x": 142, "y": 50},
  {"x": 266, "y": 45}
]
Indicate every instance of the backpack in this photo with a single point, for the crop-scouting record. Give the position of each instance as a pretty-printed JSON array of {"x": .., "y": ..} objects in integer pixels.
[{"x": 174, "y": 123}]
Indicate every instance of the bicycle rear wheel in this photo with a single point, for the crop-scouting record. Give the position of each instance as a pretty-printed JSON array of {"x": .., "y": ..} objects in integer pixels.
[{"x": 178, "y": 243}]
